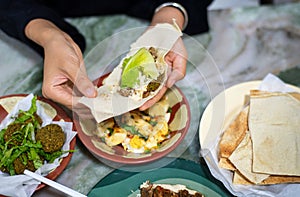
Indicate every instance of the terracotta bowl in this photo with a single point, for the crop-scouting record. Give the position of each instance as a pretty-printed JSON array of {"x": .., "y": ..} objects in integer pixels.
[{"x": 179, "y": 123}]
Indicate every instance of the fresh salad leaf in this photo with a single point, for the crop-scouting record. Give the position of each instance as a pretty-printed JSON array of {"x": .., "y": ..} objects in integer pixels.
[
  {"x": 141, "y": 62},
  {"x": 33, "y": 156},
  {"x": 131, "y": 78},
  {"x": 25, "y": 115}
]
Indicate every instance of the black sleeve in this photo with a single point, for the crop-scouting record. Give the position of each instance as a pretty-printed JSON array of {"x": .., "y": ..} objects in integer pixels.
[
  {"x": 16, "y": 14},
  {"x": 196, "y": 9}
]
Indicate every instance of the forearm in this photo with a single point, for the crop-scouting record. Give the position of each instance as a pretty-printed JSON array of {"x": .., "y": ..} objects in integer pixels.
[{"x": 15, "y": 16}]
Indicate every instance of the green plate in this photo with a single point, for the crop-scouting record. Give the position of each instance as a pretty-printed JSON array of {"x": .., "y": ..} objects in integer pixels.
[{"x": 122, "y": 183}]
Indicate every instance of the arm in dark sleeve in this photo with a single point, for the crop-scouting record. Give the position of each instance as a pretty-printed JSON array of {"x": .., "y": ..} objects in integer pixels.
[
  {"x": 16, "y": 14},
  {"x": 197, "y": 13},
  {"x": 196, "y": 9}
]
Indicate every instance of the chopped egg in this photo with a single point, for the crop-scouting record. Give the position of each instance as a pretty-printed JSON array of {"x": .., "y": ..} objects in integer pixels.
[
  {"x": 137, "y": 142},
  {"x": 137, "y": 131},
  {"x": 116, "y": 138}
]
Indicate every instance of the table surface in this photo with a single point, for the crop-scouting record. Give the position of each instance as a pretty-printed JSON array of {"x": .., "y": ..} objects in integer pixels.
[{"x": 243, "y": 44}]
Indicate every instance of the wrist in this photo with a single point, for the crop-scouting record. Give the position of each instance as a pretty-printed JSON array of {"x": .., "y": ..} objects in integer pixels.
[{"x": 178, "y": 11}]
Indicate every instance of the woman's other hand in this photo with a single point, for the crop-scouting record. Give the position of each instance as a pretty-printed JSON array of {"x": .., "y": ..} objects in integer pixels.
[{"x": 65, "y": 77}]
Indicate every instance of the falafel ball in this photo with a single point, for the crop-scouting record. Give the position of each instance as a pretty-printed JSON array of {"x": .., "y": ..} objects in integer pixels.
[
  {"x": 19, "y": 166},
  {"x": 11, "y": 134},
  {"x": 51, "y": 137}
]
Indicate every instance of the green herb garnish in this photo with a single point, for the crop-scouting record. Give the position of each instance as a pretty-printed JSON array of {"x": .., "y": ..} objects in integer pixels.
[
  {"x": 133, "y": 130},
  {"x": 17, "y": 141}
]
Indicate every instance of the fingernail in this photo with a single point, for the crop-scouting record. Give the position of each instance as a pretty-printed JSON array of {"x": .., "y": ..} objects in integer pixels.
[
  {"x": 90, "y": 92},
  {"x": 170, "y": 83}
]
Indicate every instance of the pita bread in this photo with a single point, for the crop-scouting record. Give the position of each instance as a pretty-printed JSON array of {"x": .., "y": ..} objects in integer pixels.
[
  {"x": 275, "y": 179},
  {"x": 237, "y": 161},
  {"x": 245, "y": 179},
  {"x": 238, "y": 178},
  {"x": 274, "y": 125},
  {"x": 226, "y": 164},
  {"x": 241, "y": 158},
  {"x": 234, "y": 134}
]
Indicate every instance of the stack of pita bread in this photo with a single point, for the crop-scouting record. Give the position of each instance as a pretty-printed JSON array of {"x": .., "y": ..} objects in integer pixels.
[{"x": 262, "y": 144}]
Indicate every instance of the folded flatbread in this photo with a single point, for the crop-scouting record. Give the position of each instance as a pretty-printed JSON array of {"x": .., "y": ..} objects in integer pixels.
[
  {"x": 124, "y": 89},
  {"x": 274, "y": 126},
  {"x": 232, "y": 137},
  {"x": 238, "y": 178},
  {"x": 240, "y": 159}
]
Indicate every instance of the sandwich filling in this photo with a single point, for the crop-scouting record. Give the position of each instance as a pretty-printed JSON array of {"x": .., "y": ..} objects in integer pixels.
[
  {"x": 141, "y": 73},
  {"x": 148, "y": 189}
]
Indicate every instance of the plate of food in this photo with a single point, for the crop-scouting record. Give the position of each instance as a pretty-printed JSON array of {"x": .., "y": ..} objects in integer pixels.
[
  {"x": 36, "y": 134},
  {"x": 180, "y": 176},
  {"x": 119, "y": 132},
  {"x": 254, "y": 150},
  {"x": 138, "y": 137}
]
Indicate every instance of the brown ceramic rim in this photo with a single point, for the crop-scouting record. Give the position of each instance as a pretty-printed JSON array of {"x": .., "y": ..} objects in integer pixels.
[
  {"x": 86, "y": 140},
  {"x": 61, "y": 114}
]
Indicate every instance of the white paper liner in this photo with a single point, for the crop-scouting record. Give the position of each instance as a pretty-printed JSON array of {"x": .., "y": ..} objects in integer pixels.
[
  {"x": 23, "y": 185},
  {"x": 270, "y": 83}
]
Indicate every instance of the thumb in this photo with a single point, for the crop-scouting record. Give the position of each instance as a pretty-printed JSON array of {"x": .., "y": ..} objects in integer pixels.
[{"x": 85, "y": 86}]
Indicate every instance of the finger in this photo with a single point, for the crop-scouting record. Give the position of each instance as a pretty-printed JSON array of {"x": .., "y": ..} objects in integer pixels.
[
  {"x": 84, "y": 85},
  {"x": 178, "y": 71},
  {"x": 61, "y": 94},
  {"x": 80, "y": 80},
  {"x": 174, "y": 77},
  {"x": 155, "y": 99},
  {"x": 79, "y": 76}
]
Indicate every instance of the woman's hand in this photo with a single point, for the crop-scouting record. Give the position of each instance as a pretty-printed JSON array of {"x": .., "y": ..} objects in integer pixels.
[
  {"x": 65, "y": 76},
  {"x": 176, "y": 58},
  {"x": 64, "y": 72}
]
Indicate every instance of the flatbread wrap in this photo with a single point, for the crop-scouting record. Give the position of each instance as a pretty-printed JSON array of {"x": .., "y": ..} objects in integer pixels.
[{"x": 138, "y": 77}]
